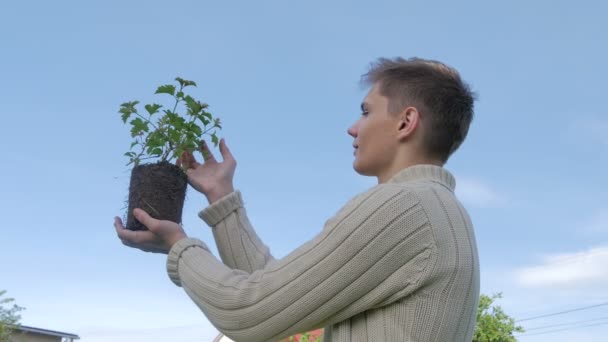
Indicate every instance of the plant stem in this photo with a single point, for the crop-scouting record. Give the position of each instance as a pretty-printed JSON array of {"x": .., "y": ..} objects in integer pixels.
[
  {"x": 146, "y": 158},
  {"x": 207, "y": 130},
  {"x": 177, "y": 98},
  {"x": 147, "y": 120},
  {"x": 168, "y": 151}
]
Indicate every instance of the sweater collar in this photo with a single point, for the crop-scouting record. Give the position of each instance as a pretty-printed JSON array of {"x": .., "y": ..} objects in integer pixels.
[{"x": 431, "y": 173}]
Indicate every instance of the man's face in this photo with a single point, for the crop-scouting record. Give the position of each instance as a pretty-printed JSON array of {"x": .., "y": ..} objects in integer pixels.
[{"x": 375, "y": 136}]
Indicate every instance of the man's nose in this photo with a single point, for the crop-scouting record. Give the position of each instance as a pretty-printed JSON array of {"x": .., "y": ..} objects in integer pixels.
[{"x": 352, "y": 131}]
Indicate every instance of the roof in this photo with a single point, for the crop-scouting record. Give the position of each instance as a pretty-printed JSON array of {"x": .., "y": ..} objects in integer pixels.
[{"x": 45, "y": 332}]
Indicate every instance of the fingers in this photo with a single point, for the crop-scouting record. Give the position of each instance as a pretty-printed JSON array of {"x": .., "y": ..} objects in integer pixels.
[
  {"x": 225, "y": 151},
  {"x": 207, "y": 155},
  {"x": 193, "y": 163},
  {"x": 126, "y": 236},
  {"x": 145, "y": 219},
  {"x": 187, "y": 161},
  {"x": 119, "y": 228},
  {"x": 140, "y": 239},
  {"x": 117, "y": 222}
]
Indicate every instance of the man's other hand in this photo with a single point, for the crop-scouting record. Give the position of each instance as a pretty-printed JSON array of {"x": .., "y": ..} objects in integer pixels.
[
  {"x": 159, "y": 238},
  {"x": 211, "y": 178}
]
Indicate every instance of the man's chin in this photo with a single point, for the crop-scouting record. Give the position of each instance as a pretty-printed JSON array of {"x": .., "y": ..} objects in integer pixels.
[{"x": 361, "y": 170}]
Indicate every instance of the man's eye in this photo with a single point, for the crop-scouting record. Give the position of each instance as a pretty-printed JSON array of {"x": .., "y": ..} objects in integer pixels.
[{"x": 365, "y": 112}]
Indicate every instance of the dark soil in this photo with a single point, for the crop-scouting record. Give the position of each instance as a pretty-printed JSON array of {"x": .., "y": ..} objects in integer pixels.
[{"x": 160, "y": 190}]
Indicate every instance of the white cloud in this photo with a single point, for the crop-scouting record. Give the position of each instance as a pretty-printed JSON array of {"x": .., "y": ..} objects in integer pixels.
[
  {"x": 580, "y": 270},
  {"x": 476, "y": 193}
]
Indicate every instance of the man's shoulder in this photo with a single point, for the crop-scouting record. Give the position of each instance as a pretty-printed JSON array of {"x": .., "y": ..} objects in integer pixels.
[
  {"x": 381, "y": 194},
  {"x": 424, "y": 194},
  {"x": 380, "y": 203}
]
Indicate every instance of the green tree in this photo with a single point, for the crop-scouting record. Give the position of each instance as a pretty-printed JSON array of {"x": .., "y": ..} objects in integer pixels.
[
  {"x": 493, "y": 324},
  {"x": 9, "y": 316}
]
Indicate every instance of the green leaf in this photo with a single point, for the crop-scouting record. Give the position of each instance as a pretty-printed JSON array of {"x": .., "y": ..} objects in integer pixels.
[
  {"x": 153, "y": 108},
  {"x": 126, "y": 109},
  {"x": 175, "y": 120},
  {"x": 207, "y": 115},
  {"x": 156, "y": 139},
  {"x": 189, "y": 100},
  {"x": 139, "y": 126},
  {"x": 156, "y": 152},
  {"x": 217, "y": 123},
  {"x": 166, "y": 89},
  {"x": 125, "y": 114},
  {"x": 177, "y": 152},
  {"x": 180, "y": 94},
  {"x": 214, "y": 139},
  {"x": 133, "y": 144},
  {"x": 185, "y": 83},
  {"x": 194, "y": 107},
  {"x": 203, "y": 120},
  {"x": 174, "y": 135},
  {"x": 169, "y": 114},
  {"x": 195, "y": 129},
  {"x": 130, "y": 104}
]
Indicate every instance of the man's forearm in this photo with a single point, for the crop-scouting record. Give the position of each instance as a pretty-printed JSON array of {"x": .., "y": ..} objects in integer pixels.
[{"x": 237, "y": 242}]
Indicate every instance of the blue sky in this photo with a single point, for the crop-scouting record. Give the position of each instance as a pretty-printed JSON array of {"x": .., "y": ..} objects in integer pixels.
[{"x": 283, "y": 78}]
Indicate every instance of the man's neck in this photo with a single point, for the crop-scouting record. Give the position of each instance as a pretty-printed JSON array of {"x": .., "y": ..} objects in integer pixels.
[{"x": 404, "y": 164}]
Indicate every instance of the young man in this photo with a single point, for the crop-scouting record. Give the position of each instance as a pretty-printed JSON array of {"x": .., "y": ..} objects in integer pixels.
[{"x": 396, "y": 263}]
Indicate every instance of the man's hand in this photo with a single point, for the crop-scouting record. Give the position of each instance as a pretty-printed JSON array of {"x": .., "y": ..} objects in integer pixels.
[
  {"x": 159, "y": 238},
  {"x": 212, "y": 178}
]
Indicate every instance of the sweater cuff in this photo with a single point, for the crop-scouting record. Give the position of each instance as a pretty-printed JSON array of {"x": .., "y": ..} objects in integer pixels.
[
  {"x": 218, "y": 211},
  {"x": 175, "y": 254}
]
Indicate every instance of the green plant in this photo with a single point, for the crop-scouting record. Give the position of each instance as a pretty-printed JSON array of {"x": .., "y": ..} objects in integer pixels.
[
  {"x": 9, "y": 316},
  {"x": 170, "y": 134},
  {"x": 493, "y": 324},
  {"x": 305, "y": 337}
]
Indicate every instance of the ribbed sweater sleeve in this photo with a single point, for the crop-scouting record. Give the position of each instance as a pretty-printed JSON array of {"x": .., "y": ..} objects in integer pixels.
[
  {"x": 236, "y": 240},
  {"x": 372, "y": 252}
]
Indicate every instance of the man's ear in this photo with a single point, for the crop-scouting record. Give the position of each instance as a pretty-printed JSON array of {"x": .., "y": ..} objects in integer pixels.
[{"x": 408, "y": 123}]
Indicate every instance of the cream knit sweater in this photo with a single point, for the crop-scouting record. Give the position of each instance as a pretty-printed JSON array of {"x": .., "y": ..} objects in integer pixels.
[{"x": 397, "y": 263}]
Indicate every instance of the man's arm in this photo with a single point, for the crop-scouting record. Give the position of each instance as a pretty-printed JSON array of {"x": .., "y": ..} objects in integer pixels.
[
  {"x": 237, "y": 242},
  {"x": 371, "y": 253}
]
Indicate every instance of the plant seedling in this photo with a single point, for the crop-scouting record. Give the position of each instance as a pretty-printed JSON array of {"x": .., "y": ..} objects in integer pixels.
[{"x": 161, "y": 135}]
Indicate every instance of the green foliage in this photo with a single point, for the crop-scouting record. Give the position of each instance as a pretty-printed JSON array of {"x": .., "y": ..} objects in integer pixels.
[
  {"x": 9, "y": 317},
  {"x": 162, "y": 133},
  {"x": 305, "y": 337},
  {"x": 493, "y": 324}
]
